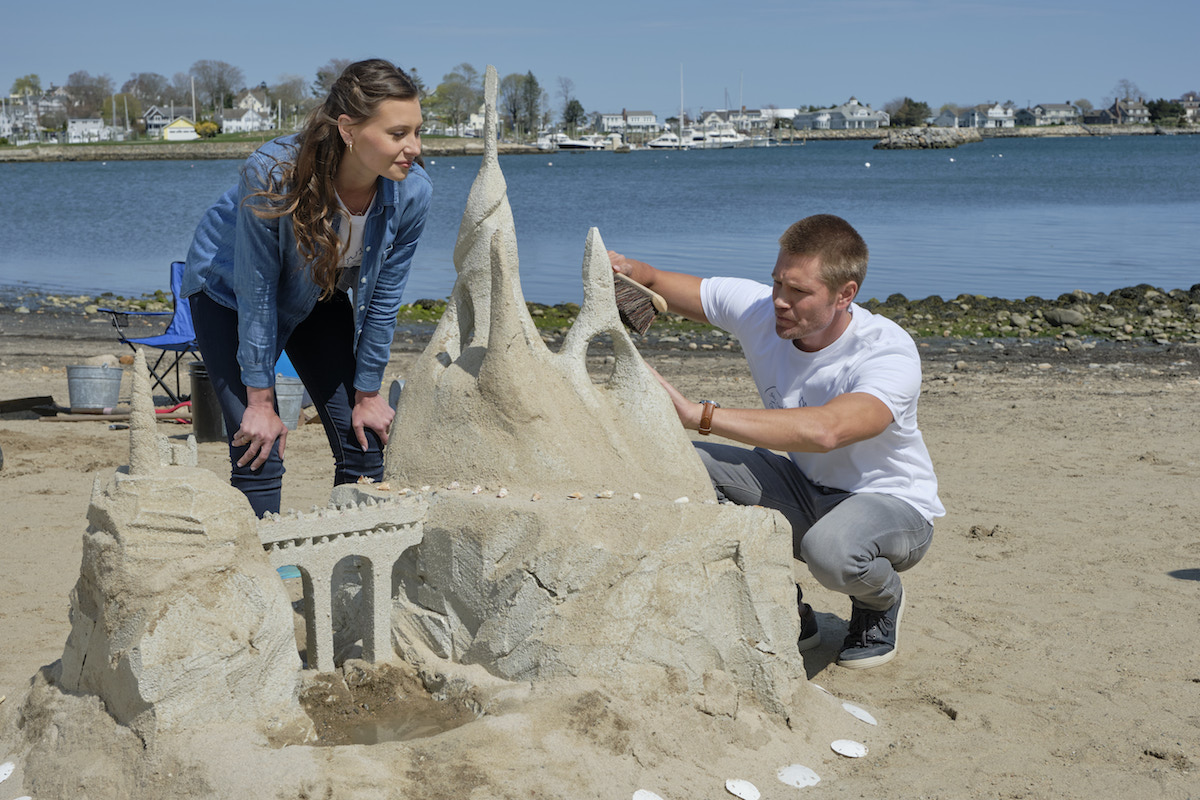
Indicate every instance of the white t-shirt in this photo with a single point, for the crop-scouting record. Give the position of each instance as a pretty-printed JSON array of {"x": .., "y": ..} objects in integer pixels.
[
  {"x": 352, "y": 239},
  {"x": 873, "y": 355}
]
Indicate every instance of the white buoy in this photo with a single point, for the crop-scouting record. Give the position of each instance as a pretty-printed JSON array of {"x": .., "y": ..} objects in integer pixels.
[
  {"x": 743, "y": 789},
  {"x": 952, "y": 161},
  {"x": 862, "y": 714},
  {"x": 549, "y": 163},
  {"x": 849, "y": 748},
  {"x": 798, "y": 775},
  {"x": 868, "y": 165}
]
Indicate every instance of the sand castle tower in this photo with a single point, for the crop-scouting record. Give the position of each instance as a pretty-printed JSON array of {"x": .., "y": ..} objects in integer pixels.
[{"x": 553, "y": 568}]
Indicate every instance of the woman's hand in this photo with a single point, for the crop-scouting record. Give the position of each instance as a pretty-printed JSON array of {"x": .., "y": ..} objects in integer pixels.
[
  {"x": 261, "y": 426},
  {"x": 371, "y": 410}
]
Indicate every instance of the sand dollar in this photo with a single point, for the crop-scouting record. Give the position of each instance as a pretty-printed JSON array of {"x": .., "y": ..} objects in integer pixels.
[
  {"x": 798, "y": 775},
  {"x": 849, "y": 749}
]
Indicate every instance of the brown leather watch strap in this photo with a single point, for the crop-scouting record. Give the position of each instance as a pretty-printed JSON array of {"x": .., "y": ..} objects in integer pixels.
[{"x": 706, "y": 417}]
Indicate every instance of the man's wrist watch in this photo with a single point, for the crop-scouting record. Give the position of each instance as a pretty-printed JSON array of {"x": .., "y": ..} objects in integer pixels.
[{"x": 706, "y": 416}]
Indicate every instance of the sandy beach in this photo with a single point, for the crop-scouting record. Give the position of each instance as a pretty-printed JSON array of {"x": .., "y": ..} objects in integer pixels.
[{"x": 1049, "y": 647}]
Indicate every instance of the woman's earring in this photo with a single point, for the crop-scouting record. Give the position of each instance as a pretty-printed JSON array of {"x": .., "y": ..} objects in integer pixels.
[{"x": 350, "y": 145}]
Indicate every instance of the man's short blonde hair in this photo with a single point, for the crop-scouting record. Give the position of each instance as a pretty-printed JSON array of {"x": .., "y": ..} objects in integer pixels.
[{"x": 842, "y": 251}]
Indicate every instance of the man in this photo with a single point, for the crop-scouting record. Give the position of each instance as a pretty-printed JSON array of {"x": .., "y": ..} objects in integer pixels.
[{"x": 840, "y": 388}]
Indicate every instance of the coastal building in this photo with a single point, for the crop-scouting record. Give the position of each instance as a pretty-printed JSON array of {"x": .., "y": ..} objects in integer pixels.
[
  {"x": 180, "y": 130},
  {"x": 988, "y": 115},
  {"x": 87, "y": 129},
  {"x": 254, "y": 99},
  {"x": 1191, "y": 106},
  {"x": 244, "y": 120},
  {"x": 1048, "y": 114},
  {"x": 851, "y": 115},
  {"x": 1121, "y": 112},
  {"x": 629, "y": 122},
  {"x": 155, "y": 119}
]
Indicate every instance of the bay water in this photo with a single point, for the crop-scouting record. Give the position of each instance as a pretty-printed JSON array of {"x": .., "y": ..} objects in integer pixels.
[{"x": 1006, "y": 217}]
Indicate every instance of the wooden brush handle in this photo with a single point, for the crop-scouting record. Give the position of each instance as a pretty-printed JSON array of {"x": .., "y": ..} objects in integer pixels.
[{"x": 660, "y": 304}]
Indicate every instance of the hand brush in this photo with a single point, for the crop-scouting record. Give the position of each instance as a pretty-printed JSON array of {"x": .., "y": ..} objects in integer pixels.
[{"x": 637, "y": 305}]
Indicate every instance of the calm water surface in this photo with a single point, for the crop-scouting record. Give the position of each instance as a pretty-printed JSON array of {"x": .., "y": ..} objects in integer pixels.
[{"x": 1008, "y": 218}]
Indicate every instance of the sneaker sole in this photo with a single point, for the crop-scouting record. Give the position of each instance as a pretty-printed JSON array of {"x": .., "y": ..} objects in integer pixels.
[{"x": 880, "y": 660}]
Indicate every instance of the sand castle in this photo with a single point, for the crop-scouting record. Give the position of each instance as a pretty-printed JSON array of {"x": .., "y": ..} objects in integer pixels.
[{"x": 565, "y": 572}]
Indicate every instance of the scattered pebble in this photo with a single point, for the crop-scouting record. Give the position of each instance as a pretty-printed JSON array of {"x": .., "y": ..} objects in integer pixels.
[
  {"x": 637, "y": 495},
  {"x": 797, "y": 775},
  {"x": 454, "y": 485},
  {"x": 502, "y": 493},
  {"x": 682, "y": 500},
  {"x": 425, "y": 488},
  {"x": 605, "y": 495}
]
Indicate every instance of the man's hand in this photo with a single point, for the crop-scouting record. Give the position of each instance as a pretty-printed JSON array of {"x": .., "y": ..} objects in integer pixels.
[
  {"x": 371, "y": 411},
  {"x": 260, "y": 427},
  {"x": 680, "y": 290},
  {"x": 688, "y": 411}
]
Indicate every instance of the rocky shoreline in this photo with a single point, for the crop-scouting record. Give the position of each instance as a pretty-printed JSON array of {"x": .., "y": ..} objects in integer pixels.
[
  {"x": 899, "y": 139},
  {"x": 1157, "y": 329}
]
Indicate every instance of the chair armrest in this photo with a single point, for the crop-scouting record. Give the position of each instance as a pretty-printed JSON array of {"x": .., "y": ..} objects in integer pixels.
[{"x": 121, "y": 318}]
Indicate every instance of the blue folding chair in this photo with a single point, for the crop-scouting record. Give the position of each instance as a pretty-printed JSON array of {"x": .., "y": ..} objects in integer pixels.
[{"x": 175, "y": 342}]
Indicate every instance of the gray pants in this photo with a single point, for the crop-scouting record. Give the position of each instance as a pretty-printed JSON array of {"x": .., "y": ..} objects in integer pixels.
[{"x": 852, "y": 543}]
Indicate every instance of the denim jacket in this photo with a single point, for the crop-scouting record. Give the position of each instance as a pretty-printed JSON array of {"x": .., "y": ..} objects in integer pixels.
[{"x": 252, "y": 265}]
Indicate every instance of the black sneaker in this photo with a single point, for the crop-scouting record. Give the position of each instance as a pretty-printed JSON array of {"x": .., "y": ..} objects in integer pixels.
[
  {"x": 810, "y": 634},
  {"x": 871, "y": 640}
]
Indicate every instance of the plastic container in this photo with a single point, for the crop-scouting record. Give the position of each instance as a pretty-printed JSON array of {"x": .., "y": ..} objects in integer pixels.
[
  {"x": 94, "y": 387},
  {"x": 289, "y": 395},
  {"x": 208, "y": 423}
]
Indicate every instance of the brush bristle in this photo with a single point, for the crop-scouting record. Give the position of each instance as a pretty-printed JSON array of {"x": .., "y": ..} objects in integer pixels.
[{"x": 635, "y": 307}]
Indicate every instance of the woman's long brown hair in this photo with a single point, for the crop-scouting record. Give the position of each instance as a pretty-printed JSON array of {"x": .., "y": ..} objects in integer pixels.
[{"x": 304, "y": 188}]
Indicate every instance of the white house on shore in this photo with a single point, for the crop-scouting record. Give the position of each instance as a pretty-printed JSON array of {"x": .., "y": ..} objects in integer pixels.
[
  {"x": 629, "y": 122},
  {"x": 244, "y": 120},
  {"x": 987, "y": 115},
  {"x": 85, "y": 130},
  {"x": 1049, "y": 114},
  {"x": 850, "y": 115}
]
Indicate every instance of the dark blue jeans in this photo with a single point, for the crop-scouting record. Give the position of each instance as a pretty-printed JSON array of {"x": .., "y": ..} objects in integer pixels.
[{"x": 322, "y": 351}]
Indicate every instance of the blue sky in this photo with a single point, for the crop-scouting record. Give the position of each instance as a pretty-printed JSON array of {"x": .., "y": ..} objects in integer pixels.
[{"x": 624, "y": 54}]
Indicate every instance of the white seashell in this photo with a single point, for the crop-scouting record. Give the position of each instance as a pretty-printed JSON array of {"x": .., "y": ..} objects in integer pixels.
[
  {"x": 637, "y": 495},
  {"x": 535, "y": 497},
  {"x": 643, "y": 794},
  {"x": 384, "y": 486},
  {"x": 743, "y": 789},
  {"x": 822, "y": 688},
  {"x": 605, "y": 495},
  {"x": 425, "y": 488},
  {"x": 477, "y": 490},
  {"x": 575, "y": 496},
  {"x": 682, "y": 500},
  {"x": 798, "y": 775},
  {"x": 502, "y": 493},
  {"x": 365, "y": 479},
  {"x": 6, "y": 769},
  {"x": 865, "y": 716},
  {"x": 849, "y": 749},
  {"x": 454, "y": 485}
]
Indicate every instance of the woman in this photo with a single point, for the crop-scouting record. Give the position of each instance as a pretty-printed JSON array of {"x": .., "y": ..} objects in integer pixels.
[{"x": 335, "y": 209}]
